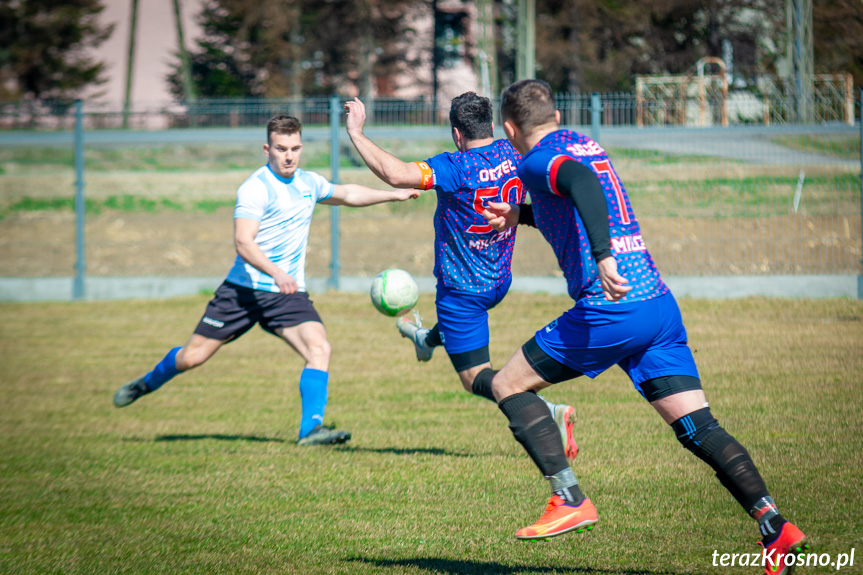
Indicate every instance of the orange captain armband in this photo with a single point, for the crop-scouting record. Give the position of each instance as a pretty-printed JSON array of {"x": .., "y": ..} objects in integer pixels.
[{"x": 427, "y": 175}]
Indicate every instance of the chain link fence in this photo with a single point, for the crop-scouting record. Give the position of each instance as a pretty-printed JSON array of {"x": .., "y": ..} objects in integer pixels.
[
  {"x": 740, "y": 201},
  {"x": 660, "y": 101}
]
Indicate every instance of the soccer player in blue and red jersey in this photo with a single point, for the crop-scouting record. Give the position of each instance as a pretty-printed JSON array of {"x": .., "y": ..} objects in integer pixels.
[
  {"x": 623, "y": 314},
  {"x": 472, "y": 261}
]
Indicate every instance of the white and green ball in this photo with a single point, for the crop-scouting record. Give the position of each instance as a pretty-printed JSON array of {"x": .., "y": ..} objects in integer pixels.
[{"x": 394, "y": 292}]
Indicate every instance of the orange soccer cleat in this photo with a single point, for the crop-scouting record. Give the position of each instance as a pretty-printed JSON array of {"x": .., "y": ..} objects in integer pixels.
[
  {"x": 791, "y": 541},
  {"x": 559, "y": 518}
]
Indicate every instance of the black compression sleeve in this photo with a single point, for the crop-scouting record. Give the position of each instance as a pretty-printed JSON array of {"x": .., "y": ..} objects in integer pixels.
[
  {"x": 525, "y": 215},
  {"x": 582, "y": 185}
]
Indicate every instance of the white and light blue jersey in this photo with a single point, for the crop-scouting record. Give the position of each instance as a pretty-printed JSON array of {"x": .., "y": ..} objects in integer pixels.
[{"x": 284, "y": 208}]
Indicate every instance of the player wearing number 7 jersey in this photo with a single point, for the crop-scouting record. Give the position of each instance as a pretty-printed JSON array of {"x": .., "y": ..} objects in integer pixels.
[
  {"x": 623, "y": 315},
  {"x": 472, "y": 261}
]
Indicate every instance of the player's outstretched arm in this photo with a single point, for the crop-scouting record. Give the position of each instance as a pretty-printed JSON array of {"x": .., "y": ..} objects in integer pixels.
[
  {"x": 387, "y": 167},
  {"x": 358, "y": 196},
  {"x": 245, "y": 230}
]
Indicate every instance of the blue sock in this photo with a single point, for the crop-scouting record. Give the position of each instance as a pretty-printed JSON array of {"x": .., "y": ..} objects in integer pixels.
[
  {"x": 164, "y": 371},
  {"x": 313, "y": 391}
]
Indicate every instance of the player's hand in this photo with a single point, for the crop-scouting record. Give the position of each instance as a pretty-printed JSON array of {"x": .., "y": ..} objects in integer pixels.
[
  {"x": 406, "y": 194},
  {"x": 287, "y": 284},
  {"x": 356, "y": 111},
  {"x": 613, "y": 284},
  {"x": 501, "y": 215}
]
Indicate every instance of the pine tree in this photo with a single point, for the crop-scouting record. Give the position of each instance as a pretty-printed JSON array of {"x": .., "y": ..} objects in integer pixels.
[
  {"x": 274, "y": 48},
  {"x": 44, "y": 48}
]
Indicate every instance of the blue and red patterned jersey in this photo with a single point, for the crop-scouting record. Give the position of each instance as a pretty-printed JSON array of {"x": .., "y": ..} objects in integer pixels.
[
  {"x": 561, "y": 224},
  {"x": 469, "y": 255}
]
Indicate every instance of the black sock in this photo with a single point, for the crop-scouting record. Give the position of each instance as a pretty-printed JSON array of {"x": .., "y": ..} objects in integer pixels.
[
  {"x": 701, "y": 434},
  {"x": 770, "y": 521},
  {"x": 433, "y": 337},
  {"x": 481, "y": 385},
  {"x": 572, "y": 495},
  {"x": 533, "y": 427}
]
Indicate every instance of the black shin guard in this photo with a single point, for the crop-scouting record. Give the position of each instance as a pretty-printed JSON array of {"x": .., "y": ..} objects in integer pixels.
[
  {"x": 481, "y": 385},
  {"x": 701, "y": 434},
  {"x": 533, "y": 427}
]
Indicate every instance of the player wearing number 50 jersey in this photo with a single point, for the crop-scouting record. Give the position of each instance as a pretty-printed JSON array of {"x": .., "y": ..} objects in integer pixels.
[{"x": 472, "y": 260}]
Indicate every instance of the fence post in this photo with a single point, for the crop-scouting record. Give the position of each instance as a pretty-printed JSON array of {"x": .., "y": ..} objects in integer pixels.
[
  {"x": 595, "y": 109},
  {"x": 335, "y": 263},
  {"x": 860, "y": 277},
  {"x": 78, "y": 292}
]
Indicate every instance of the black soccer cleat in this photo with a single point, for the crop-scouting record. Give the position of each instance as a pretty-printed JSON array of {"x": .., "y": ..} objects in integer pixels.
[
  {"x": 130, "y": 392},
  {"x": 321, "y": 435}
]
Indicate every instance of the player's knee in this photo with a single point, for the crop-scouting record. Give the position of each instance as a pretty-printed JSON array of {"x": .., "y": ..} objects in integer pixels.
[
  {"x": 319, "y": 354},
  {"x": 191, "y": 357},
  {"x": 466, "y": 380},
  {"x": 700, "y": 433},
  {"x": 505, "y": 384}
]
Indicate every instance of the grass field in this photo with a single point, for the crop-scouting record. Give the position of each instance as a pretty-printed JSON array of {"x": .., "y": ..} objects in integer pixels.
[{"x": 204, "y": 477}]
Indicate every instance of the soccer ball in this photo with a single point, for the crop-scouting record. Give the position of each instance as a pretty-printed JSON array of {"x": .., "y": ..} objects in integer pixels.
[{"x": 394, "y": 292}]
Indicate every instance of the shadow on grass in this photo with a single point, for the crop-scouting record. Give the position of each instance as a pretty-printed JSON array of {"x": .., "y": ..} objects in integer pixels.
[
  {"x": 220, "y": 437},
  {"x": 460, "y": 567},
  {"x": 405, "y": 451}
]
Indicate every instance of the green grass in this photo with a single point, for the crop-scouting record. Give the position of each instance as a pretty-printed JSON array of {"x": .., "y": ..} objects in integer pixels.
[
  {"x": 847, "y": 147},
  {"x": 121, "y": 203},
  {"x": 657, "y": 158},
  {"x": 754, "y": 196},
  {"x": 203, "y": 476}
]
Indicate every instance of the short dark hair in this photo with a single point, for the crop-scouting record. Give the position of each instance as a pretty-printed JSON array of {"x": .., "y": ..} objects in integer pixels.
[
  {"x": 472, "y": 115},
  {"x": 528, "y": 104},
  {"x": 283, "y": 125}
]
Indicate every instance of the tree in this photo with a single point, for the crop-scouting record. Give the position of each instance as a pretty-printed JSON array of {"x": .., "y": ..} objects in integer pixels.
[
  {"x": 600, "y": 45},
  {"x": 222, "y": 65},
  {"x": 274, "y": 48},
  {"x": 44, "y": 45},
  {"x": 837, "y": 30}
]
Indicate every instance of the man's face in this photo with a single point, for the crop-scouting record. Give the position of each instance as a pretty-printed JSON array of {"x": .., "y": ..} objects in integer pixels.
[{"x": 283, "y": 153}]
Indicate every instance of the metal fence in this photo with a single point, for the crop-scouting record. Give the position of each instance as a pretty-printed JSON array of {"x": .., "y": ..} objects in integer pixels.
[
  {"x": 661, "y": 105},
  {"x": 749, "y": 200}
]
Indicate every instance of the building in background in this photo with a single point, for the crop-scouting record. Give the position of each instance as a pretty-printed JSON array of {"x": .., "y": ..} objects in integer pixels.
[
  {"x": 451, "y": 26},
  {"x": 155, "y": 48}
]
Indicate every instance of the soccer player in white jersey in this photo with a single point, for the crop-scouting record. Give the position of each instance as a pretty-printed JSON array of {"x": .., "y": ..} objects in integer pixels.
[{"x": 266, "y": 284}]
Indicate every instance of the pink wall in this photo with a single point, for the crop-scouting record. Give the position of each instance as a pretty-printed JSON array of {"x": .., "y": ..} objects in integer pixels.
[{"x": 155, "y": 45}]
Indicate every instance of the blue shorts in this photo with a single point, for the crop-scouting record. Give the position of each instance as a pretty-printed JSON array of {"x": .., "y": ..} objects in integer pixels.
[
  {"x": 462, "y": 316},
  {"x": 646, "y": 339}
]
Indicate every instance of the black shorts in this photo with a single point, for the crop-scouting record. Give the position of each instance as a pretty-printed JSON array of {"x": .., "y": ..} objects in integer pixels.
[
  {"x": 546, "y": 366},
  {"x": 235, "y": 309},
  {"x": 652, "y": 389}
]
